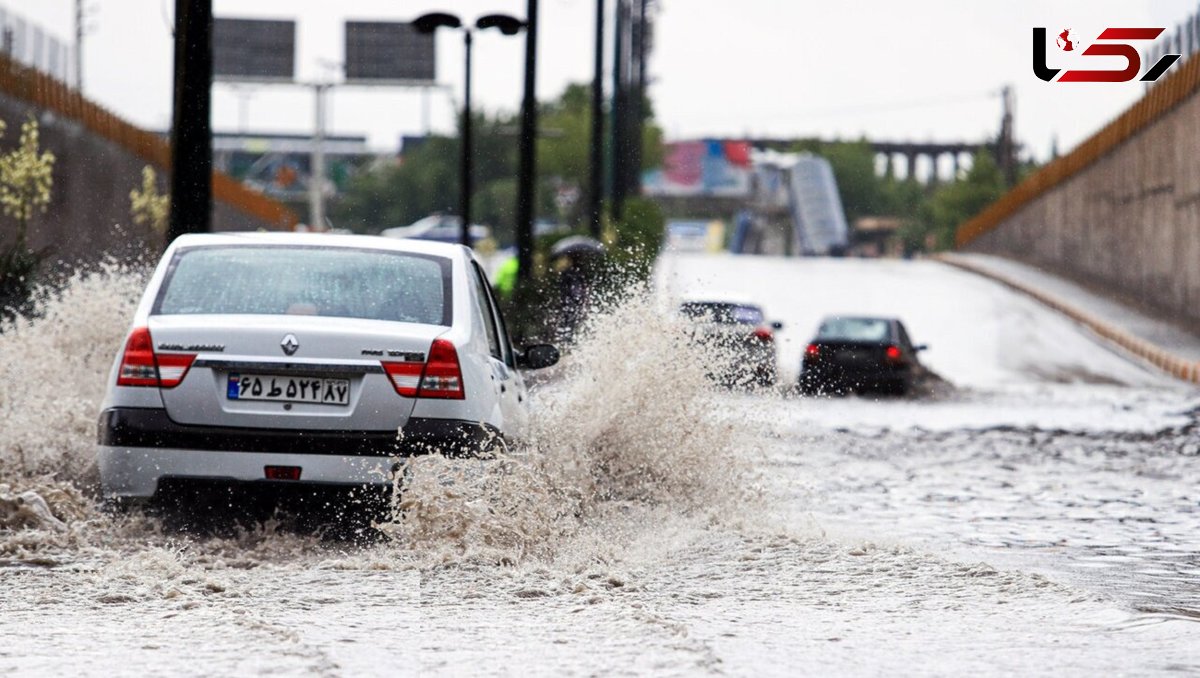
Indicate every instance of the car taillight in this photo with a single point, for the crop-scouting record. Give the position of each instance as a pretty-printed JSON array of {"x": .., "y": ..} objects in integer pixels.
[
  {"x": 763, "y": 334},
  {"x": 439, "y": 377},
  {"x": 812, "y": 352},
  {"x": 406, "y": 377},
  {"x": 141, "y": 366},
  {"x": 892, "y": 353},
  {"x": 172, "y": 367},
  {"x": 442, "y": 377}
]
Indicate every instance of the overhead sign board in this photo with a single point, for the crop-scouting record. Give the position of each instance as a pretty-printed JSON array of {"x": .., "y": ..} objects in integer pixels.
[
  {"x": 388, "y": 51},
  {"x": 254, "y": 49}
]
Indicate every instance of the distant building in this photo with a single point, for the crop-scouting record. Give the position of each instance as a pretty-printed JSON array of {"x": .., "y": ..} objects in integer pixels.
[
  {"x": 877, "y": 237},
  {"x": 29, "y": 44}
]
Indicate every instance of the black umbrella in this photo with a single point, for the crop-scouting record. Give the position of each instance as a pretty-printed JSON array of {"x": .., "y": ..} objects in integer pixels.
[{"x": 577, "y": 246}]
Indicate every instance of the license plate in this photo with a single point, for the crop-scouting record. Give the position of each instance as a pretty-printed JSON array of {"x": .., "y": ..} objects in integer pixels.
[
  {"x": 275, "y": 388},
  {"x": 852, "y": 357}
]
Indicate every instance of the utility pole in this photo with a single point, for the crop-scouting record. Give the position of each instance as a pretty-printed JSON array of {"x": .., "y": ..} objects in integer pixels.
[
  {"x": 79, "y": 46},
  {"x": 466, "y": 168},
  {"x": 596, "y": 178},
  {"x": 633, "y": 176},
  {"x": 191, "y": 130},
  {"x": 527, "y": 170},
  {"x": 1006, "y": 147},
  {"x": 618, "y": 113},
  {"x": 316, "y": 175}
]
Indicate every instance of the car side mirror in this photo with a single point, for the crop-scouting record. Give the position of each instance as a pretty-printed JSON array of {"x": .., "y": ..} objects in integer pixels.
[
  {"x": 537, "y": 356},
  {"x": 921, "y": 347},
  {"x": 777, "y": 325}
]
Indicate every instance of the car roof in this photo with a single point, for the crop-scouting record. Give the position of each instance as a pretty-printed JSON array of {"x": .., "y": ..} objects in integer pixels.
[
  {"x": 861, "y": 317},
  {"x": 729, "y": 301},
  {"x": 321, "y": 239}
]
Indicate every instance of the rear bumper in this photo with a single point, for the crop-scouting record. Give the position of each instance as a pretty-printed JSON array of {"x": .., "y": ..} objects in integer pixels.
[
  {"x": 135, "y": 472},
  {"x": 138, "y": 447},
  {"x": 746, "y": 366},
  {"x": 822, "y": 374},
  {"x": 137, "y": 427}
]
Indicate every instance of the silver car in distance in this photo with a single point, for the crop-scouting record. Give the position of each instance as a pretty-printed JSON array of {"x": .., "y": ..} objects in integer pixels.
[{"x": 270, "y": 359}]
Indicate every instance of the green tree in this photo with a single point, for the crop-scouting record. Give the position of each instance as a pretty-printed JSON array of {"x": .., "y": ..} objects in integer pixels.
[
  {"x": 427, "y": 180},
  {"x": 863, "y": 193},
  {"x": 954, "y": 204},
  {"x": 147, "y": 206},
  {"x": 26, "y": 181},
  {"x": 635, "y": 241}
]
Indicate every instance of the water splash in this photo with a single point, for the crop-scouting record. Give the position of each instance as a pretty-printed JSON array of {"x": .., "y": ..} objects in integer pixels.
[
  {"x": 53, "y": 371},
  {"x": 630, "y": 424},
  {"x": 629, "y": 427}
]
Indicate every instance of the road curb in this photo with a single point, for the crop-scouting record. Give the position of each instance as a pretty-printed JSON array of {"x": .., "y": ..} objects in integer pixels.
[{"x": 1176, "y": 366}]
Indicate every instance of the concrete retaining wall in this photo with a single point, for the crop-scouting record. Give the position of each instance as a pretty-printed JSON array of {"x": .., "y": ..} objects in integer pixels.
[
  {"x": 1121, "y": 213},
  {"x": 99, "y": 160},
  {"x": 88, "y": 216},
  {"x": 1129, "y": 223}
]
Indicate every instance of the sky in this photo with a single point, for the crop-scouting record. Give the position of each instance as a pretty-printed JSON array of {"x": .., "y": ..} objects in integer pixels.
[{"x": 921, "y": 70}]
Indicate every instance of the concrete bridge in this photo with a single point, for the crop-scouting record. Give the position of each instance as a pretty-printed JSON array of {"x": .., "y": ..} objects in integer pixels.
[{"x": 928, "y": 162}]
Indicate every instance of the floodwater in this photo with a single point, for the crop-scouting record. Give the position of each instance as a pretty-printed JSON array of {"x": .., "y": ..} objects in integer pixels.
[{"x": 1036, "y": 525}]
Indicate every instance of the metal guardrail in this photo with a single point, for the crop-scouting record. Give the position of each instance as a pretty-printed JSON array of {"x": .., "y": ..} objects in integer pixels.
[
  {"x": 45, "y": 92},
  {"x": 1180, "y": 84}
]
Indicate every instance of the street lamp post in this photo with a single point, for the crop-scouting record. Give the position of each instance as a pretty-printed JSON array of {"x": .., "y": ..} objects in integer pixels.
[
  {"x": 191, "y": 132},
  {"x": 466, "y": 178},
  {"x": 527, "y": 171},
  {"x": 428, "y": 23}
]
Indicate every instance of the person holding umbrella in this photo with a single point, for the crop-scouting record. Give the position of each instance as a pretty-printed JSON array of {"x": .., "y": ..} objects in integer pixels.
[{"x": 575, "y": 257}]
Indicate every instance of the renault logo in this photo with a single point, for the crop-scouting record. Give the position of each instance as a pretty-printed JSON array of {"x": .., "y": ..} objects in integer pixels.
[{"x": 289, "y": 344}]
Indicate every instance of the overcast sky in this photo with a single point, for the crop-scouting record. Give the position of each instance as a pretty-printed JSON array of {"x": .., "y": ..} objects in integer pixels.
[{"x": 888, "y": 69}]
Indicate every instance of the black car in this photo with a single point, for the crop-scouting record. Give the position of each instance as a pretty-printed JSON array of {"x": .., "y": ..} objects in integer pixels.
[
  {"x": 744, "y": 341},
  {"x": 860, "y": 354}
]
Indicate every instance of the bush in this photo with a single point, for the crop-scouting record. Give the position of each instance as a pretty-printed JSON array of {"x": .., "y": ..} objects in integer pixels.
[
  {"x": 637, "y": 239},
  {"x": 18, "y": 269}
]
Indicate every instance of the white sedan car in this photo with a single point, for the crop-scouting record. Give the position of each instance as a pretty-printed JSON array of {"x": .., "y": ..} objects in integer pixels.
[{"x": 270, "y": 359}]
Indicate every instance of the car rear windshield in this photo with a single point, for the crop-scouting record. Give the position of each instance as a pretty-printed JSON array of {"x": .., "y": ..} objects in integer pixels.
[
  {"x": 336, "y": 282},
  {"x": 854, "y": 329},
  {"x": 730, "y": 314}
]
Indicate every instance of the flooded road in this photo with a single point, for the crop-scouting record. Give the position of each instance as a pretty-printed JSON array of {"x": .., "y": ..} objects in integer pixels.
[{"x": 1023, "y": 522}]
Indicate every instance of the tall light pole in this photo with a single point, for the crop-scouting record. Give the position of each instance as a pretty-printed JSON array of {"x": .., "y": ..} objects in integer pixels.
[
  {"x": 316, "y": 174},
  {"x": 79, "y": 45},
  {"x": 191, "y": 132},
  {"x": 619, "y": 112},
  {"x": 526, "y": 171},
  {"x": 596, "y": 178},
  {"x": 428, "y": 23}
]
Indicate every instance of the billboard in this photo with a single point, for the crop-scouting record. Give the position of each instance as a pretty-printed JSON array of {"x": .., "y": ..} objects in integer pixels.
[
  {"x": 254, "y": 49},
  {"x": 711, "y": 167},
  {"x": 388, "y": 50}
]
